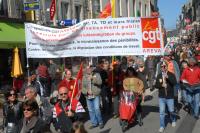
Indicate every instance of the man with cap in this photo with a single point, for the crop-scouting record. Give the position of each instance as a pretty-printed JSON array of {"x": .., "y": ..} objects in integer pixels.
[{"x": 191, "y": 78}]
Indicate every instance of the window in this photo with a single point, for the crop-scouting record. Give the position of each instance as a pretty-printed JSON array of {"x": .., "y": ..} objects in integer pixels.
[
  {"x": 64, "y": 10},
  {"x": 118, "y": 8},
  {"x": 140, "y": 6},
  {"x": 134, "y": 8},
  {"x": 77, "y": 12},
  {"x": 145, "y": 10},
  {"x": 3, "y": 8}
]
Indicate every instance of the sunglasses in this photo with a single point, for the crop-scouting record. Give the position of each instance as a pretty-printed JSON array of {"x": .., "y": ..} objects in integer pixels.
[
  {"x": 12, "y": 94},
  {"x": 27, "y": 109},
  {"x": 63, "y": 94},
  {"x": 141, "y": 66},
  {"x": 163, "y": 66}
]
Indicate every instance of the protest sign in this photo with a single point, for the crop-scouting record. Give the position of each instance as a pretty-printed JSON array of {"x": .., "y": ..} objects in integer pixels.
[{"x": 96, "y": 37}]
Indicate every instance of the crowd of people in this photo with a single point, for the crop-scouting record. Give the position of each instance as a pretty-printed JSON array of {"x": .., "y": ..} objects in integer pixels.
[{"x": 44, "y": 99}]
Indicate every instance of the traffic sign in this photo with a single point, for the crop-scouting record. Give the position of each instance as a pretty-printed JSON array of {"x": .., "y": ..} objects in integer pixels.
[
  {"x": 31, "y": 5},
  {"x": 68, "y": 22}
]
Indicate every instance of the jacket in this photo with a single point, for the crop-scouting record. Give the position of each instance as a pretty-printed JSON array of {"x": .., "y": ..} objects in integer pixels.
[
  {"x": 45, "y": 110},
  {"x": 192, "y": 76},
  {"x": 167, "y": 92},
  {"x": 12, "y": 114},
  {"x": 39, "y": 126},
  {"x": 61, "y": 120},
  {"x": 94, "y": 84}
]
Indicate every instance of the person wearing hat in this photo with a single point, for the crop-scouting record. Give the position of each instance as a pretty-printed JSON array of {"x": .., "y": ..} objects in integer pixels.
[
  {"x": 165, "y": 82},
  {"x": 191, "y": 78}
]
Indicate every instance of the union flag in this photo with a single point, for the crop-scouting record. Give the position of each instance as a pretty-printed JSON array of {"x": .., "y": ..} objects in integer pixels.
[
  {"x": 52, "y": 9},
  {"x": 77, "y": 88},
  {"x": 106, "y": 11},
  {"x": 78, "y": 83}
]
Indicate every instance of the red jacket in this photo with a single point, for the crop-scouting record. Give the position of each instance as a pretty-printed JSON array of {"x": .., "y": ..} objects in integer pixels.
[{"x": 191, "y": 75}]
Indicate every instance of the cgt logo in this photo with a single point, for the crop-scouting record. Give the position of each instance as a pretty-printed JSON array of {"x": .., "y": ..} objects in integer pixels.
[{"x": 150, "y": 33}]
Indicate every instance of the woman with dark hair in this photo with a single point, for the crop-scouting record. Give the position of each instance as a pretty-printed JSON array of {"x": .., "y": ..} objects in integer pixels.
[
  {"x": 31, "y": 122},
  {"x": 12, "y": 112}
]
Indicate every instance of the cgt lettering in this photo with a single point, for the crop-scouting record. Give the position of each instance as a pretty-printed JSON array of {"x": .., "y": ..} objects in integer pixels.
[{"x": 152, "y": 36}]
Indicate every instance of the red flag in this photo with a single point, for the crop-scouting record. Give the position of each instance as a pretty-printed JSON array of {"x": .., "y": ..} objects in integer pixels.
[
  {"x": 52, "y": 9},
  {"x": 106, "y": 11},
  {"x": 77, "y": 88},
  {"x": 78, "y": 82}
]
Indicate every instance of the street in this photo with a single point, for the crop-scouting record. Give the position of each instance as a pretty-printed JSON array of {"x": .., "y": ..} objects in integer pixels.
[{"x": 185, "y": 123}]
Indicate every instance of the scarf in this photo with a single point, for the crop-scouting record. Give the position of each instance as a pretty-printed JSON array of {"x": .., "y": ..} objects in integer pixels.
[{"x": 28, "y": 126}]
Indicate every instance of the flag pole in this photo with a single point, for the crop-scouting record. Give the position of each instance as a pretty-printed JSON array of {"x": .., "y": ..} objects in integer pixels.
[
  {"x": 27, "y": 66},
  {"x": 113, "y": 16}
]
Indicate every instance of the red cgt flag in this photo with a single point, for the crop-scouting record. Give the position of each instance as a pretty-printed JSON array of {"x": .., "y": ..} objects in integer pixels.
[
  {"x": 77, "y": 88},
  {"x": 52, "y": 9},
  {"x": 78, "y": 83},
  {"x": 106, "y": 11}
]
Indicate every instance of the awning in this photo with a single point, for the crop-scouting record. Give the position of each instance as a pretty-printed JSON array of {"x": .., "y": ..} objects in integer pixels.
[{"x": 12, "y": 35}]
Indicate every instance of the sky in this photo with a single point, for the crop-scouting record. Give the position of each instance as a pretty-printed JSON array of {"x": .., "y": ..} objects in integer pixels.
[{"x": 170, "y": 10}]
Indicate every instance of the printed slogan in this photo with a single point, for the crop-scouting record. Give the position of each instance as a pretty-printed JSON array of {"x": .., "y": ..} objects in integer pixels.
[{"x": 96, "y": 37}]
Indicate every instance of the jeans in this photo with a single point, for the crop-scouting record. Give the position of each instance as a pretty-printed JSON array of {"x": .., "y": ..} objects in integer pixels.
[
  {"x": 94, "y": 110},
  {"x": 184, "y": 96},
  {"x": 193, "y": 99},
  {"x": 162, "y": 104},
  {"x": 176, "y": 88}
]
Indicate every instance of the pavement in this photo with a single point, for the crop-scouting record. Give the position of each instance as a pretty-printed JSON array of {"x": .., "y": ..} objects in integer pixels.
[{"x": 185, "y": 123}]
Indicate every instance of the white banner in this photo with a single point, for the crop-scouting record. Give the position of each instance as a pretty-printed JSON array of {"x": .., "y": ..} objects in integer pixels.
[{"x": 95, "y": 37}]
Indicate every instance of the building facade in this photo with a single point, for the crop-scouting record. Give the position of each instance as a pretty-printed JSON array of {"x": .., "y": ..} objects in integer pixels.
[
  {"x": 132, "y": 8},
  {"x": 65, "y": 9},
  {"x": 75, "y": 9},
  {"x": 12, "y": 9},
  {"x": 188, "y": 23}
]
